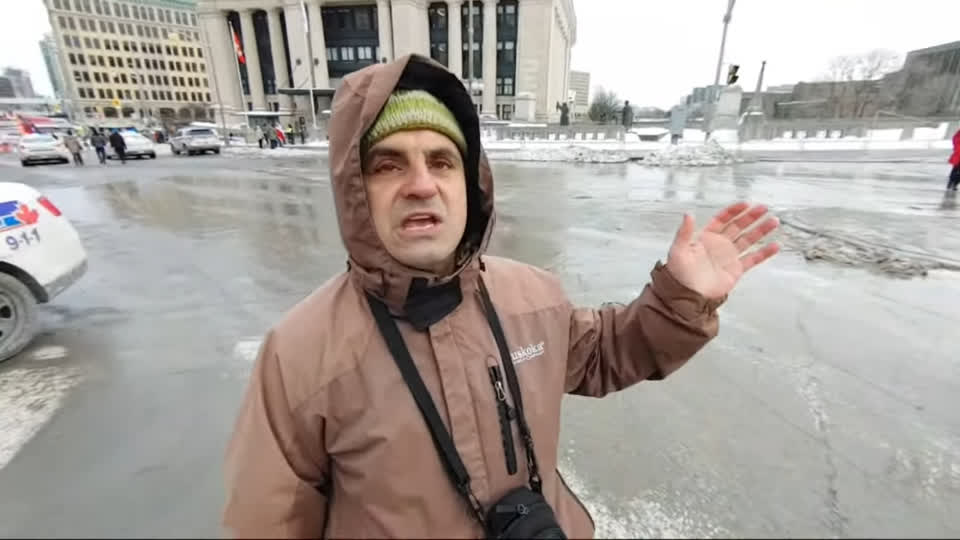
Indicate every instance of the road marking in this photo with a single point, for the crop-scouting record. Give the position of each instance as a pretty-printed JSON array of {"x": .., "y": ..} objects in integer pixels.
[
  {"x": 28, "y": 399},
  {"x": 51, "y": 352},
  {"x": 247, "y": 350}
]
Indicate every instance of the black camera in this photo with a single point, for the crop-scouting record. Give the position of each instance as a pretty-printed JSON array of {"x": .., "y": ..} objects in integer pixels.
[{"x": 523, "y": 513}]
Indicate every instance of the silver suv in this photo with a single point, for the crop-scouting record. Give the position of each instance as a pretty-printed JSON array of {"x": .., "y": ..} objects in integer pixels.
[{"x": 195, "y": 140}]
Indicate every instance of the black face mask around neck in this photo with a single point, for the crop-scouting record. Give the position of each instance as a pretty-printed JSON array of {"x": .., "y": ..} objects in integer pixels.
[{"x": 426, "y": 305}]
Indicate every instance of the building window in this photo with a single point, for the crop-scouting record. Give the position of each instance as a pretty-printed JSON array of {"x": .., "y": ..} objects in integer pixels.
[
  {"x": 109, "y": 92},
  {"x": 153, "y": 94},
  {"x": 193, "y": 19},
  {"x": 136, "y": 94},
  {"x": 111, "y": 27},
  {"x": 437, "y": 15},
  {"x": 56, "y": 4},
  {"x": 70, "y": 22},
  {"x": 364, "y": 53},
  {"x": 63, "y": 22},
  {"x": 347, "y": 54},
  {"x": 156, "y": 34},
  {"x": 82, "y": 92},
  {"x": 106, "y": 44},
  {"x": 106, "y": 8},
  {"x": 72, "y": 58},
  {"x": 438, "y": 51},
  {"x": 83, "y": 25},
  {"x": 151, "y": 14},
  {"x": 103, "y": 27},
  {"x": 332, "y": 54},
  {"x": 77, "y": 77},
  {"x": 126, "y": 12},
  {"x": 96, "y": 7},
  {"x": 96, "y": 76},
  {"x": 208, "y": 97},
  {"x": 100, "y": 93}
]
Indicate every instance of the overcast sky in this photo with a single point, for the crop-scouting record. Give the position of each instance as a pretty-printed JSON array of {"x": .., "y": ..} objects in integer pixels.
[{"x": 653, "y": 52}]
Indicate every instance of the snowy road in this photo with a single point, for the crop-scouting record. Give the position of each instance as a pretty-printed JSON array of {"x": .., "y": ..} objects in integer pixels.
[{"x": 826, "y": 407}]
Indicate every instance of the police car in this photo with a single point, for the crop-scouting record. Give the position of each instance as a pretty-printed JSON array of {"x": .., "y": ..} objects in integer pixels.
[{"x": 42, "y": 255}]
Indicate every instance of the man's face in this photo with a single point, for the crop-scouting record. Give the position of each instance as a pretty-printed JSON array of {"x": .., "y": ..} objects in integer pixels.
[{"x": 417, "y": 190}]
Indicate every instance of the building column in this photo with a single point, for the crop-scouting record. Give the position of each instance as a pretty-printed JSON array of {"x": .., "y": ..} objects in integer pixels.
[
  {"x": 297, "y": 43},
  {"x": 489, "y": 57},
  {"x": 221, "y": 68},
  {"x": 454, "y": 41},
  {"x": 385, "y": 29},
  {"x": 411, "y": 17},
  {"x": 279, "y": 56},
  {"x": 254, "y": 75},
  {"x": 319, "y": 45}
]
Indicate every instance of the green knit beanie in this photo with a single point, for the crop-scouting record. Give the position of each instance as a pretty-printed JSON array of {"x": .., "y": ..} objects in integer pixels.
[{"x": 414, "y": 109}]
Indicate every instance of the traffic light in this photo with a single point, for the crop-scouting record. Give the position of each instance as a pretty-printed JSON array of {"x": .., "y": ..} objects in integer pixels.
[{"x": 732, "y": 76}]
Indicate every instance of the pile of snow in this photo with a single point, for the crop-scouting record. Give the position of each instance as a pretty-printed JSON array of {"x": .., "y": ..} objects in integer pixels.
[
  {"x": 271, "y": 153},
  {"x": 708, "y": 155},
  {"x": 568, "y": 153}
]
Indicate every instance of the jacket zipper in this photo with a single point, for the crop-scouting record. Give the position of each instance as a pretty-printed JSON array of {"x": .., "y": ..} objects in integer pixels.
[{"x": 506, "y": 414}]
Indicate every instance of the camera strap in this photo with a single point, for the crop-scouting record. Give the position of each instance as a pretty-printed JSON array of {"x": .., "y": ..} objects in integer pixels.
[
  {"x": 442, "y": 439},
  {"x": 438, "y": 432}
]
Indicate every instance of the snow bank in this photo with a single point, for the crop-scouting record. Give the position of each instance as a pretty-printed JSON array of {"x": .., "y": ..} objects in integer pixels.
[
  {"x": 267, "y": 153},
  {"x": 708, "y": 155},
  {"x": 568, "y": 153}
]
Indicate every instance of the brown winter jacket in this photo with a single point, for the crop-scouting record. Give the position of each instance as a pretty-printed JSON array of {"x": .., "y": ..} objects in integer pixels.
[{"x": 329, "y": 442}]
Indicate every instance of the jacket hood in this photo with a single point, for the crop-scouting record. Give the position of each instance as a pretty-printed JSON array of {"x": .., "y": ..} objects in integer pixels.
[{"x": 356, "y": 105}]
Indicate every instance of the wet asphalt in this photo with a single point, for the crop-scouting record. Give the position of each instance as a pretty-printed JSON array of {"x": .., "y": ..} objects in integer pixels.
[{"x": 827, "y": 406}]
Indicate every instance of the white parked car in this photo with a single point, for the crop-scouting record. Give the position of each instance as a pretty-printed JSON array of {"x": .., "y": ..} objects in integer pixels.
[
  {"x": 138, "y": 146},
  {"x": 42, "y": 148},
  {"x": 42, "y": 255},
  {"x": 195, "y": 140}
]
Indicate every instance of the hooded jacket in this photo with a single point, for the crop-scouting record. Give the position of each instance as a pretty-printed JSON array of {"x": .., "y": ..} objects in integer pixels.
[{"x": 329, "y": 441}]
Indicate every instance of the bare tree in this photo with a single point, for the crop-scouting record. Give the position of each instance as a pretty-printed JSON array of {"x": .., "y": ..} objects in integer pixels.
[
  {"x": 604, "y": 106},
  {"x": 856, "y": 81}
]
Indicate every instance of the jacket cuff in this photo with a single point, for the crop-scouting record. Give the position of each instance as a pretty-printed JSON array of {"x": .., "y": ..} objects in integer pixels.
[{"x": 686, "y": 302}]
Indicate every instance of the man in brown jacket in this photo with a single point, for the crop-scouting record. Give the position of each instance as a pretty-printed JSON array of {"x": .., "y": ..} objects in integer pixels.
[{"x": 330, "y": 441}]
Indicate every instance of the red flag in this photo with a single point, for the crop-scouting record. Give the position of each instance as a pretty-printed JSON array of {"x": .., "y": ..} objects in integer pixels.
[{"x": 237, "y": 46}]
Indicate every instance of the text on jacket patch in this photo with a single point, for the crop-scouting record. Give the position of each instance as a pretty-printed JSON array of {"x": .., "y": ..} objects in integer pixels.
[{"x": 525, "y": 353}]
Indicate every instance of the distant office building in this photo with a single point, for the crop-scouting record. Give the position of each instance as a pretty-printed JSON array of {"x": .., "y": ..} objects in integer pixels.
[
  {"x": 48, "y": 48},
  {"x": 131, "y": 59},
  {"x": 580, "y": 88},
  {"x": 519, "y": 47},
  {"x": 929, "y": 83},
  {"x": 15, "y": 83}
]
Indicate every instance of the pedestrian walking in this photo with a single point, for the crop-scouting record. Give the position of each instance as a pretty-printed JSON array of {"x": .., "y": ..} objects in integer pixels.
[
  {"x": 954, "y": 179},
  {"x": 261, "y": 137},
  {"x": 291, "y": 133},
  {"x": 303, "y": 130},
  {"x": 418, "y": 393},
  {"x": 119, "y": 146},
  {"x": 271, "y": 136},
  {"x": 75, "y": 147},
  {"x": 99, "y": 143}
]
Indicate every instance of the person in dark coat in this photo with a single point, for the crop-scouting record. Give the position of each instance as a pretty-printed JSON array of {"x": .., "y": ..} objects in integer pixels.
[
  {"x": 119, "y": 146},
  {"x": 626, "y": 117},
  {"x": 99, "y": 143}
]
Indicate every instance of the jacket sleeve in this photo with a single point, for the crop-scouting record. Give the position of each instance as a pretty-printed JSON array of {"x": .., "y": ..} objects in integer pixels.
[
  {"x": 617, "y": 346},
  {"x": 276, "y": 466}
]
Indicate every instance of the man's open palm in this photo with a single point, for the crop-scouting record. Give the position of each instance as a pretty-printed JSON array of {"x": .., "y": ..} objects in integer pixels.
[{"x": 713, "y": 262}]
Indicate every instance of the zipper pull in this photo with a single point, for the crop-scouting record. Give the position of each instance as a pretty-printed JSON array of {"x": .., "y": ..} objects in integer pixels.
[{"x": 497, "y": 384}]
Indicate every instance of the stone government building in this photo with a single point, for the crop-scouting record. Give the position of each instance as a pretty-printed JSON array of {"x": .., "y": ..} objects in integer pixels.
[{"x": 521, "y": 49}]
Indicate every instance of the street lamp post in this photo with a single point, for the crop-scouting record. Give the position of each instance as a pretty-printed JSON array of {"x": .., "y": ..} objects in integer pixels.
[
  {"x": 216, "y": 85},
  {"x": 714, "y": 92},
  {"x": 313, "y": 76}
]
